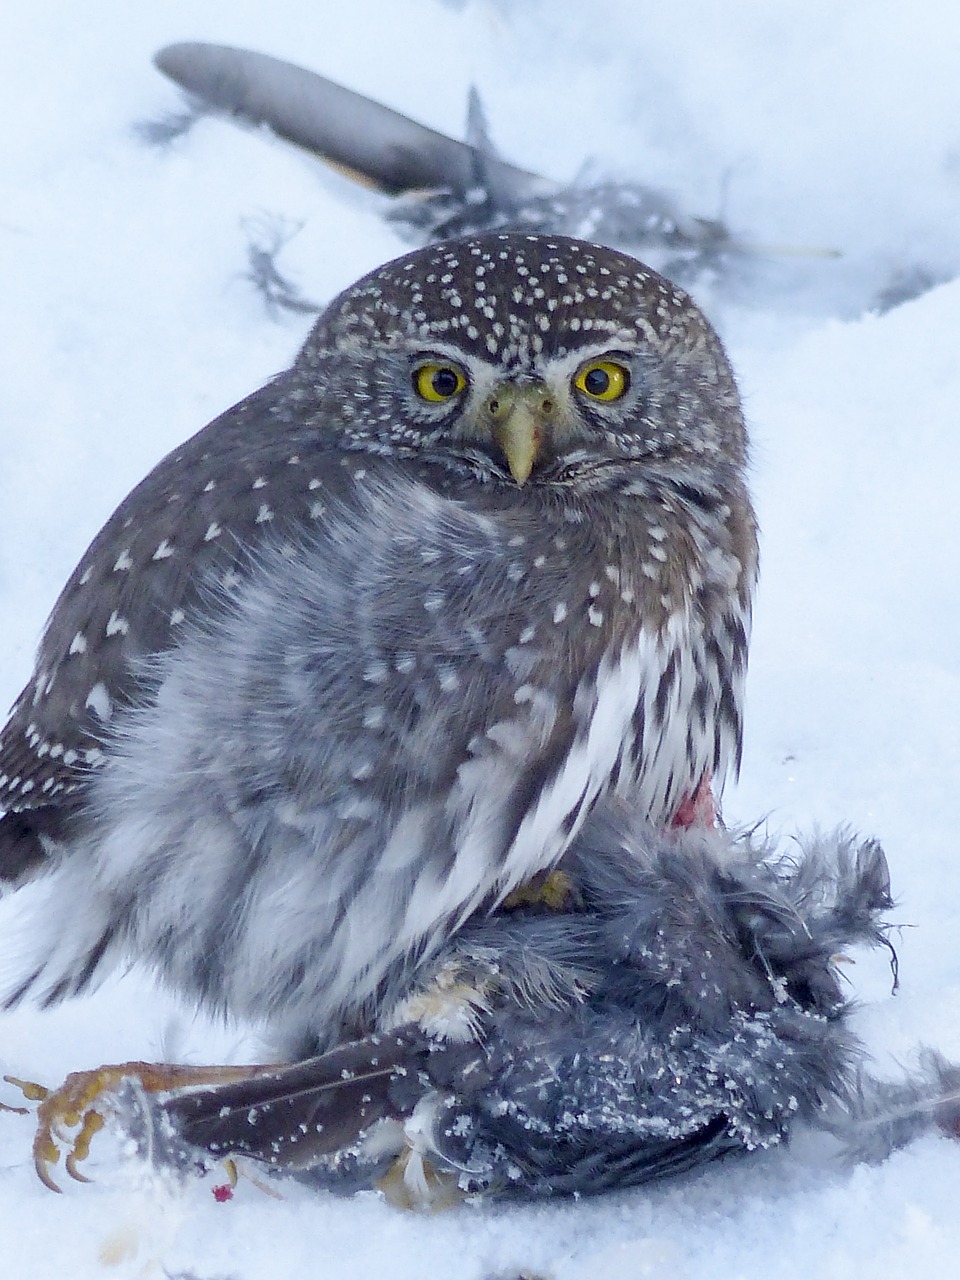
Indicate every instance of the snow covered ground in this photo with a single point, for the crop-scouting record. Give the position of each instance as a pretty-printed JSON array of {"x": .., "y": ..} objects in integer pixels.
[{"x": 126, "y": 323}]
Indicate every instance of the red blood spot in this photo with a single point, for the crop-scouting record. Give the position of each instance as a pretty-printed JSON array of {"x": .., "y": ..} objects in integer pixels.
[
  {"x": 223, "y": 1193},
  {"x": 698, "y": 810}
]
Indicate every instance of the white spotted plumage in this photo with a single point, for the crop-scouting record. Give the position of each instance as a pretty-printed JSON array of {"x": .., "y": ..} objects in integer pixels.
[{"x": 332, "y": 679}]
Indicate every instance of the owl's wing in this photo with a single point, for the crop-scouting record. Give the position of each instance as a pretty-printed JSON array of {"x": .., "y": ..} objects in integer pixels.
[
  {"x": 189, "y": 525},
  {"x": 375, "y": 736}
]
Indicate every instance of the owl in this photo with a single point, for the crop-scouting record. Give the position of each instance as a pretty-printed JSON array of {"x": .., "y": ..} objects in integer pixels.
[{"x": 360, "y": 658}]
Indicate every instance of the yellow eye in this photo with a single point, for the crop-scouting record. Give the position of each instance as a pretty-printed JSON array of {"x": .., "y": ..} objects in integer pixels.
[
  {"x": 438, "y": 382},
  {"x": 603, "y": 380}
]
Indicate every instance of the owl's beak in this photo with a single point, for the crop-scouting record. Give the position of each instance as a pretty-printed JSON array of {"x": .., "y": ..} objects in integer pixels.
[{"x": 520, "y": 414}]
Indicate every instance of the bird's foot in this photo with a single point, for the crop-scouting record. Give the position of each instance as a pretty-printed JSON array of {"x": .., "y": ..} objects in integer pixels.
[
  {"x": 554, "y": 890},
  {"x": 82, "y": 1103},
  {"x": 413, "y": 1182}
]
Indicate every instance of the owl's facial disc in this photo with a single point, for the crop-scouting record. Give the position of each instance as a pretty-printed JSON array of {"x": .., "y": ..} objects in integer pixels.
[
  {"x": 542, "y": 419},
  {"x": 528, "y": 419}
]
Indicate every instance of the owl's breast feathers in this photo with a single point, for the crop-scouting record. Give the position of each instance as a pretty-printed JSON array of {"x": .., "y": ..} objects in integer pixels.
[{"x": 396, "y": 722}]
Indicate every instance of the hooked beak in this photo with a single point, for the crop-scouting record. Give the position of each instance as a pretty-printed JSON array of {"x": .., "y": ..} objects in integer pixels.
[{"x": 520, "y": 414}]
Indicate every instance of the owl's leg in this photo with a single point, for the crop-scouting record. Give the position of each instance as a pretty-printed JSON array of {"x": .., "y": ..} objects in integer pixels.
[
  {"x": 700, "y": 808},
  {"x": 72, "y": 1105},
  {"x": 553, "y": 890}
]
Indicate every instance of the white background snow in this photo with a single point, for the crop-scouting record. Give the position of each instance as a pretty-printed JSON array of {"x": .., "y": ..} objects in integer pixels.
[{"x": 125, "y": 324}]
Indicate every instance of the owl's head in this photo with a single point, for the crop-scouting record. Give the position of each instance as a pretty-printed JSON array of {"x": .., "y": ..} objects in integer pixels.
[{"x": 528, "y": 359}]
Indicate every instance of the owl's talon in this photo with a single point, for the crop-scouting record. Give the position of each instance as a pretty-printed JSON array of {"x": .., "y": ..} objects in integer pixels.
[
  {"x": 45, "y": 1153},
  {"x": 551, "y": 889},
  {"x": 45, "y": 1149},
  {"x": 32, "y": 1091},
  {"x": 93, "y": 1122},
  {"x": 72, "y": 1105},
  {"x": 63, "y": 1109}
]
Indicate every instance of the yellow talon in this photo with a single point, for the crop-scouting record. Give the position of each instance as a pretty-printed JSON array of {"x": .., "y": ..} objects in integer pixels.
[
  {"x": 45, "y": 1153},
  {"x": 71, "y": 1105},
  {"x": 92, "y": 1124},
  {"x": 551, "y": 889},
  {"x": 17, "y": 1111},
  {"x": 32, "y": 1091},
  {"x": 558, "y": 891}
]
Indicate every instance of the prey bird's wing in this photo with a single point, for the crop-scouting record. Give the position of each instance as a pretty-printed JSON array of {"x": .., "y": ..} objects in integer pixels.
[{"x": 299, "y": 1115}]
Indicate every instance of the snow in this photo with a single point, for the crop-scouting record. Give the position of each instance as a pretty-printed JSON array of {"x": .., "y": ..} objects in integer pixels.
[{"x": 126, "y": 324}]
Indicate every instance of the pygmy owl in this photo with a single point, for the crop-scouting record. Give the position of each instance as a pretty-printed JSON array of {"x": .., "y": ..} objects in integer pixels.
[{"x": 360, "y": 657}]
